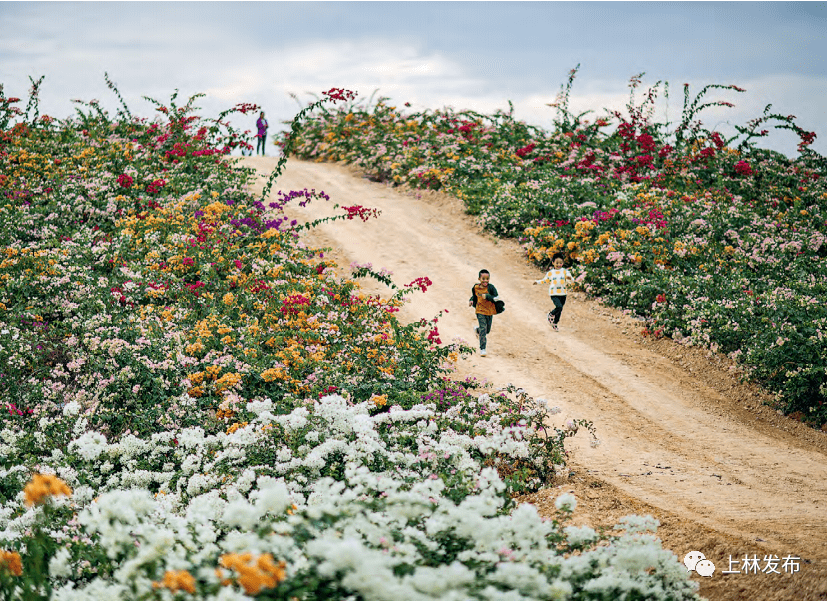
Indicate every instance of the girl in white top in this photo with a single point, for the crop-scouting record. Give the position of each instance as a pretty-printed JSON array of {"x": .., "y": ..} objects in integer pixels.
[{"x": 557, "y": 278}]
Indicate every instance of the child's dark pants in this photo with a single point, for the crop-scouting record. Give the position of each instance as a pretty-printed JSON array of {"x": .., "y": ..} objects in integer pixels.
[
  {"x": 260, "y": 145},
  {"x": 559, "y": 302},
  {"x": 484, "y": 326}
]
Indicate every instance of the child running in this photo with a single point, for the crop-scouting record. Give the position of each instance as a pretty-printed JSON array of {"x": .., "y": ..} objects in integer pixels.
[
  {"x": 483, "y": 300},
  {"x": 557, "y": 278}
]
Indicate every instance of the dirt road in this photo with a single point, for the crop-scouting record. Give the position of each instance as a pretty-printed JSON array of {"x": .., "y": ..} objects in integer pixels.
[{"x": 681, "y": 438}]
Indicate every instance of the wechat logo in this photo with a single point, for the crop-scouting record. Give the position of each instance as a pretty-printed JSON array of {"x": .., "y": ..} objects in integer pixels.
[{"x": 695, "y": 560}]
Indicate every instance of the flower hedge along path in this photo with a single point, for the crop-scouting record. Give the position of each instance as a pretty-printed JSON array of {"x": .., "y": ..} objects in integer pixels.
[
  {"x": 184, "y": 378},
  {"x": 717, "y": 243},
  {"x": 681, "y": 438}
]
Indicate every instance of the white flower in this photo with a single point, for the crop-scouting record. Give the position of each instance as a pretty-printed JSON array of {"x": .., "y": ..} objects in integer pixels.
[
  {"x": 578, "y": 535},
  {"x": 240, "y": 514},
  {"x": 80, "y": 426},
  {"x": 71, "y": 408},
  {"x": 259, "y": 407},
  {"x": 637, "y": 523},
  {"x": 89, "y": 446},
  {"x": 272, "y": 495},
  {"x": 566, "y": 501},
  {"x": 59, "y": 564}
]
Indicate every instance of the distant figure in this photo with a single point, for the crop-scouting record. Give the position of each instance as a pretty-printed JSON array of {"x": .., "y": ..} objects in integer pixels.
[
  {"x": 484, "y": 300},
  {"x": 261, "y": 125},
  {"x": 557, "y": 278}
]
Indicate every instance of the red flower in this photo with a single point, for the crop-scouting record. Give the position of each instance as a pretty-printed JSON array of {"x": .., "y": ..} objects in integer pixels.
[
  {"x": 743, "y": 168},
  {"x": 646, "y": 142},
  {"x": 363, "y": 213},
  {"x": 337, "y": 94},
  {"x": 422, "y": 283},
  {"x": 661, "y": 298},
  {"x": 806, "y": 138},
  {"x": 124, "y": 180},
  {"x": 665, "y": 150},
  {"x": 522, "y": 152},
  {"x": 156, "y": 186}
]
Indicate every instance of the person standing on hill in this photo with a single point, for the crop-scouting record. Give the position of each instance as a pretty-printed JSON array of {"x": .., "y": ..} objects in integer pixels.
[
  {"x": 261, "y": 125},
  {"x": 483, "y": 299},
  {"x": 557, "y": 278}
]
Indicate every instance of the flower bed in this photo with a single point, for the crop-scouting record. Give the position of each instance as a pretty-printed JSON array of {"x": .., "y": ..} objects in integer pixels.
[
  {"x": 197, "y": 406},
  {"x": 714, "y": 242}
]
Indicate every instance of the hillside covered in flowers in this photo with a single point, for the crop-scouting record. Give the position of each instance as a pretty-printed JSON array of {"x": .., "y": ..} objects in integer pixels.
[
  {"x": 197, "y": 405},
  {"x": 715, "y": 242}
]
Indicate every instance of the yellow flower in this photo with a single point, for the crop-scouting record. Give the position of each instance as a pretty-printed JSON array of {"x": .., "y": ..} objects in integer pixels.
[
  {"x": 44, "y": 486},
  {"x": 253, "y": 576},
  {"x": 228, "y": 380},
  {"x": 11, "y": 561},
  {"x": 236, "y": 426},
  {"x": 271, "y": 374},
  {"x": 228, "y": 299},
  {"x": 380, "y": 400},
  {"x": 194, "y": 348},
  {"x": 177, "y": 580}
]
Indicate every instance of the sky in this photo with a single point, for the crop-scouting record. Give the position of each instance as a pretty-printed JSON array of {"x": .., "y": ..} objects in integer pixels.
[{"x": 464, "y": 55}]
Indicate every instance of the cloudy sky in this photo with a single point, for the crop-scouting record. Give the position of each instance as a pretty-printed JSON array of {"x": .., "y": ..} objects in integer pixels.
[{"x": 476, "y": 55}]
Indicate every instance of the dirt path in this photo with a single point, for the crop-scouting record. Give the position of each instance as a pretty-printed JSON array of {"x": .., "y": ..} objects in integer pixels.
[{"x": 681, "y": 439}]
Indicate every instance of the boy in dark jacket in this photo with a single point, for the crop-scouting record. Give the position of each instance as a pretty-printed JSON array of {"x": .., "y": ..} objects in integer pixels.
[{"x": 483, "y": 300}]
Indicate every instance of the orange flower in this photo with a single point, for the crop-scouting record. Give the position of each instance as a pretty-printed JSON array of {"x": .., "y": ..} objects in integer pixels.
[
  {"x": 44, "y": 486},
  {"x": 254, "y": 576},
  {"x": 177, "y": 580},
  {"x": 11, "y": 561},
  {"x": 380, "y": 400}
]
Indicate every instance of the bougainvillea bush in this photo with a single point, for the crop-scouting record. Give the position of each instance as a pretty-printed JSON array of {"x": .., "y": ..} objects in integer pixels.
[
  {"x": 197, "y": 405},
  {"x": 715, "y": 242}
]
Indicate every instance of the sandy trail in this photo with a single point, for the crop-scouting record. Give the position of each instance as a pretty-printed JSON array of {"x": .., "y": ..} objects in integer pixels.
[{"x": 680, "y": 438}]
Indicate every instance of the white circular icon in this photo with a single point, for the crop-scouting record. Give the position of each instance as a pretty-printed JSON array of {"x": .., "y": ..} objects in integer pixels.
[
  {"x": 705, "y": 567},
  {"x": 691, "y": 559}
]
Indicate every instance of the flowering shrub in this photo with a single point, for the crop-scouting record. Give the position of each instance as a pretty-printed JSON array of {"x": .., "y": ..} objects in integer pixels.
[
  {"x": 730, "y": 235},
  {"x": 197, "y": 405}
]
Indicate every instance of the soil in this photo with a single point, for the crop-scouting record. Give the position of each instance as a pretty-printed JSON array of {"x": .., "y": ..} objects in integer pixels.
[{"x": 682, "y": 439}]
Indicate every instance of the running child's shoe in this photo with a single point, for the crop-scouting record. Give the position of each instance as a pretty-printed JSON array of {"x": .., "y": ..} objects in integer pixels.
[
  {"x": 483, "y": 352},
  {"x": 555, "y": 327}
]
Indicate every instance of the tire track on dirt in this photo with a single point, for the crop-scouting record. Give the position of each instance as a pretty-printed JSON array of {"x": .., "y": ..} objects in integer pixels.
[{"x": 668, "y": 438}]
